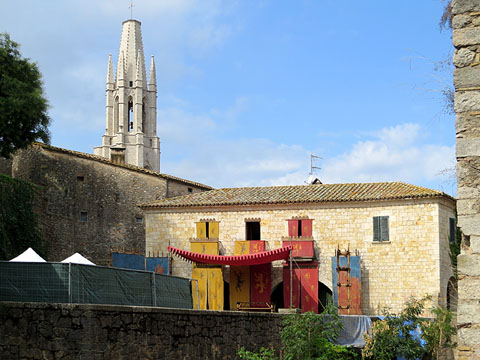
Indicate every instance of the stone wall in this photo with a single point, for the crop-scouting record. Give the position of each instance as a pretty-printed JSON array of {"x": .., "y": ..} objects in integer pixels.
[
  {"x": 60, "y": 331},
  {"x": 89, "y": 205},
  {"x": 417, "y": 252},
  {"x": 466, "y": 39}
]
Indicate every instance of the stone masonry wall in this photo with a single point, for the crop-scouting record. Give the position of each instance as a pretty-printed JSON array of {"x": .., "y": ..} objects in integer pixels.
[
  {"x": 105, "y": 193},
  {"x": 466, "y": 39},
  {"x": 417, "y": 253},
  {"x": 60, "y": 331}
]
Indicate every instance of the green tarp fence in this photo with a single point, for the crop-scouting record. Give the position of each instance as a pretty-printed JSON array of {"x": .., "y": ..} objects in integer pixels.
[{"x": 84, "y": 284}]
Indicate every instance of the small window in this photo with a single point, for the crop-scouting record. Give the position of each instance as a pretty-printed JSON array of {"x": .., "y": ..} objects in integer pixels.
[
  {"x": 80, "y": 178},
  {"x": 207, "y": 230},
  {"x": 380, "y": 228},
  {"x": 83, "y": 216},
  {"x": 252, "y": 230},
  {"x": 453, "y": 230},
  {"x": 300, "y": 227},
  {"x": 190, "y": 190},
  {"x": 131, "y": 83},
  {"x": 139, "y": 220}
]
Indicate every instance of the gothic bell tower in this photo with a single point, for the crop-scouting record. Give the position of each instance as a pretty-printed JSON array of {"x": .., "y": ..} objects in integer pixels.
[{"x": 131, "y": 105}]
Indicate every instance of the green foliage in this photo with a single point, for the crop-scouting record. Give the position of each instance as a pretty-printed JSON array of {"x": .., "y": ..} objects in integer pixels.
[
  {"x": 400, "y": 334},
  {"x": 310, "y": 336},
  {"x": 23, "y": 107},
  {"x": 439, "y": 333},
  {"x": 264, "y": 354},
  {"x": 18, "y": 223}
]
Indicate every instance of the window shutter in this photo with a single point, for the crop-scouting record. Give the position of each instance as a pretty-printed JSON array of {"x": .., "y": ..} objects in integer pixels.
[
  {"x": 306, "y": 227},
  {"x": 201, "y": 230},
  {"x": 293, "y": 228},
  {"x": 384, "y": 235},
  {"x": 453, "y": 235},
  {"x": 213, "y": 230},
  {"x": 376, "y": 228}
]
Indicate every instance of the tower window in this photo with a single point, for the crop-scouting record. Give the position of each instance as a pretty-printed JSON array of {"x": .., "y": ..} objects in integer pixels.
[
  {"x": 83, "y": 216},
  {"x": 131, "y": 83},
  {"x": 130, "y": 115},
  {"x": 139, "y": 220},
  {"x": 190, "y": 190},
  {"x": 80, "y": 178}
]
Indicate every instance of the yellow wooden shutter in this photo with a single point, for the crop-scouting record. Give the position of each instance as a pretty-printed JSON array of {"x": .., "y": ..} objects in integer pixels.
[
  {"x": 201, "y": 275},
  {"x": 215, "y": 289},
  {"x": 241, "y": 248},
  {"x": 210, "y": 248},
  {"x": 201, "y": 230},
  {"x": 213, "y": 230}
]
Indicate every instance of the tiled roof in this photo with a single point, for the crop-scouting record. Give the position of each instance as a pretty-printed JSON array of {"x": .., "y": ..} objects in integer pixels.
[
  {"x": 320, "y": 193},
  {"x": 126, "y": 166}
]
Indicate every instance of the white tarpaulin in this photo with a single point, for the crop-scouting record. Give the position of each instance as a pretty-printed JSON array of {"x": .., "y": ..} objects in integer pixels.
[
  {"x": 78, "y": 259},
  {"x": 28, "y": 255}
]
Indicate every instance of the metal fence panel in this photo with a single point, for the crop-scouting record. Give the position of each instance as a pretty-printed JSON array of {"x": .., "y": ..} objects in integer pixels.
[
  {"x": 173, "y": 292},
  {"x": 37, "y": 282}
]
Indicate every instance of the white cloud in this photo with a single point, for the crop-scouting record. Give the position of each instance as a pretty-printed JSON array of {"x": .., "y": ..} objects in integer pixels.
[{"x": 395, "y": 154}]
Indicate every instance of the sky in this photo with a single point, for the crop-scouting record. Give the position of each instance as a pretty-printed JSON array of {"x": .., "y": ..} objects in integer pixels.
[{"x": 249, "y": 90}]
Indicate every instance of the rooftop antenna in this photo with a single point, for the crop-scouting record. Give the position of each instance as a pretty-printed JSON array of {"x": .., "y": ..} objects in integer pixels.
[
  {"x": 131, "y": 10},
  {"x": 312, "y": 179},
  {"x": 313, "y": 159}
]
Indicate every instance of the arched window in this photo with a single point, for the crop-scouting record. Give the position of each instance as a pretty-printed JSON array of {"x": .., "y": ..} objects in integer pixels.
[
  {"x": 130, "y": 114},
  {"x": 115, "y": 116},
  {"x": 144, "y": 115}
]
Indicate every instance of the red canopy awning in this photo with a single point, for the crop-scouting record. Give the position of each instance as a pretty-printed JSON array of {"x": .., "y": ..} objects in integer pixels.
[{"x": 263, "y": 257}]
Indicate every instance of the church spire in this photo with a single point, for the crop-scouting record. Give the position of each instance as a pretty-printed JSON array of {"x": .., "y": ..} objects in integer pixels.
[
  {"x": 110, "y": 79},
  {"x": 152, "y": 83},
  {"x": 120, "y": 69},
  {"x": 131, "y": 105}
]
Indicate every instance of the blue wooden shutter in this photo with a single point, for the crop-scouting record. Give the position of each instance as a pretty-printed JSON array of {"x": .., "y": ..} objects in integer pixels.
[
  {"x": 384, "y": 233},
  {"x": 376, "y": 228}
]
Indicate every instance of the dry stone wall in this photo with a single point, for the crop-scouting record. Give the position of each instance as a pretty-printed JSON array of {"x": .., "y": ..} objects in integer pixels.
[
  {"x": 59, "y": 331},
  {"x": 417, "y": 252},
  {"x": 466, "y": 39}
]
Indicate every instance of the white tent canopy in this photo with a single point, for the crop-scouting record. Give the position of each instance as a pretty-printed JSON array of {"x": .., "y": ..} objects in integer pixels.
[
  {"x": 78, "y": 259},
  {"x": 28, "y": 255}
]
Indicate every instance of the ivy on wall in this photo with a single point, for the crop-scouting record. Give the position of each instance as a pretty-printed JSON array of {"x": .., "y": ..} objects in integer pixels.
[{"x": 18, "y": 222}]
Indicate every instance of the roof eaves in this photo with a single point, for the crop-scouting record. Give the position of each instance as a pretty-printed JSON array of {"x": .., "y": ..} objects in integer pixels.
[{"x": 125, "y": 166}]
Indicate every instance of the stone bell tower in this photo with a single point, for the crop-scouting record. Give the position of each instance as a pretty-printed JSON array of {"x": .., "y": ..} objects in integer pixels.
[{"x": 131, "y": 105}]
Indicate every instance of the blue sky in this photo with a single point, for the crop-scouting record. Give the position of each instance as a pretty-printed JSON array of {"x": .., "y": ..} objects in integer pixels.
[{"x": 247, "y": 90}]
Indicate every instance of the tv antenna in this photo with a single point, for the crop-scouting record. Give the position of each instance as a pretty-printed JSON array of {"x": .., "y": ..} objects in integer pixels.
[{"x": 313, "y": 160}]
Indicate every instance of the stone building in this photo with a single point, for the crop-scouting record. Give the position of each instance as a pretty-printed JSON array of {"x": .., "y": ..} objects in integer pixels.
[
  {"x": 88, "y": 204},
  {"x": 131, "y": 105},
  {"x": 401, "y": 233},
  {"x": 466, "y": 39}
]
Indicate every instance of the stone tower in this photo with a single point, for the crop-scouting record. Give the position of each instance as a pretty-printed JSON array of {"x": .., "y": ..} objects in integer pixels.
[{"x": 131, "y": 105}]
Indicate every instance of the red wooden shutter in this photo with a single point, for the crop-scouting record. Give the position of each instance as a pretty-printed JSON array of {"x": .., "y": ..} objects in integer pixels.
[
  {"x": 306, "y": 227},
  {"x": 293, "y": 228}
]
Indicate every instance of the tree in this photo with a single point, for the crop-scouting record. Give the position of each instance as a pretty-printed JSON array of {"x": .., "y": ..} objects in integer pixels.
[{"x": 23, "y": 107}]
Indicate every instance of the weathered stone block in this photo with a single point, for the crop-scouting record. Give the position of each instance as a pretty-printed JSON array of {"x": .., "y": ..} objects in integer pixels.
[
  {"x": 463, "y": 57},
  {"x": 475, "y": 247},
  {"x": 466, "y": 36},
  {"x": 468, "y": 265},
  {"x": 459, "y": 21},
  {"x": 467, "y": 101},
  {"x": 469, "y": 337},
  {"x": 466, "y": 77},
  {"x": 467, "y": 206},
  {"x": 463, "y": 6},
  {"x": 468, "y": 289},
  {"x": 468, "y": 311},
  {"x": 468, "y": 147}
]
